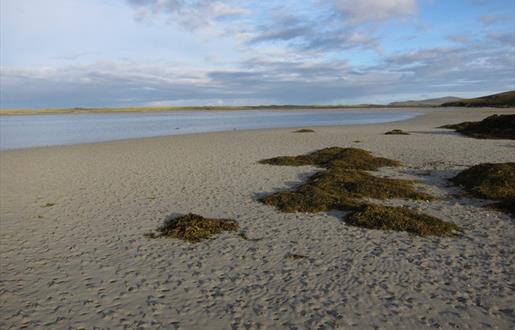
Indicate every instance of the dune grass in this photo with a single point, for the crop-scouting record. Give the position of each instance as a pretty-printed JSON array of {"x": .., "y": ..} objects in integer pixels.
[{"x": 346, "y": 186}]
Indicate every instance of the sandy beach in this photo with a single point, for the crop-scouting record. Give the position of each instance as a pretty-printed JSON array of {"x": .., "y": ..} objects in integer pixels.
[{"x": 73, "y": 252}]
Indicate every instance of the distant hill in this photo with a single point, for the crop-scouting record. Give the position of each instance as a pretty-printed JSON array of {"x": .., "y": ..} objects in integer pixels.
[
  {"x": 501, "y": 100},
  {"x": 425, "y": 103}
]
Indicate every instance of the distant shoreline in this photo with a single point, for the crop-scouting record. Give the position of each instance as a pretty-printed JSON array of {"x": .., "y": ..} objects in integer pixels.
[
  {"x": 33, "y": 131},
  {"x": 500, "y": 100},
  {"x": 15, "y": 112}
]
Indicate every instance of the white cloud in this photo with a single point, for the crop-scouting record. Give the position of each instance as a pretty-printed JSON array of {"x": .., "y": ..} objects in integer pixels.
[
  {"x": 192, "y": 14},
  {"x": 221, "y": 9},
  {"x": 311, "y": 30},
  {"x": 368, "y": 10},
  {"x": 262, "y": 80},
  {"x": 252, "y": 51}
]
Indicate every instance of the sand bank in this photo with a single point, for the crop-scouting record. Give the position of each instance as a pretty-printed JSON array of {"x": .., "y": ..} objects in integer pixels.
[{"x": 73, "y": 254}]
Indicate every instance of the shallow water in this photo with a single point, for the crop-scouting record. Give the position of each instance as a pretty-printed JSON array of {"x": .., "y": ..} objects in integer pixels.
[{"x": 18, "y": 132}]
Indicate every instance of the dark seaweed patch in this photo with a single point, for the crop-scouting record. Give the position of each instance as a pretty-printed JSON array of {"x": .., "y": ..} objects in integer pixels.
[
  {"x": 491, "y": 181},
  {"x": 493, "y": 127},
  {"x": 194, "y": 228},
  {"x": 396, "y": 132},
  {"x": 344, "y": 185}
]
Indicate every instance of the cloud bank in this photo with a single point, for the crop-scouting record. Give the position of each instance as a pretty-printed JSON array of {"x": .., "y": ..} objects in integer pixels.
[{"x": 277, "y": 52}]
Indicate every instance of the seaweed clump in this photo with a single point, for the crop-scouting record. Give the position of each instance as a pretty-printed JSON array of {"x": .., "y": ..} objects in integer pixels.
[
  {"x": 507, "y": 205},
  {"x": 400, "y": 219},
  {"x": 487, "y": 180},
  {"x": 490, "y": 181},
  {"x": 194, "y": 228},
  {"x": 335, "y": 157},
  {"x": 493, "y": 127},
  {"x": 48, "y": 205},
  {"x": 457, "y": 127},
  {"x": 341, "y": 189},
  {"x": 304, "y": 130},
  {"x": 345, "y": 185},
  {"x": 396, "y": 132}
]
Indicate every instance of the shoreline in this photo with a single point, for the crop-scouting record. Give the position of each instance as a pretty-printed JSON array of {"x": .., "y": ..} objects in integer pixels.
[
  {"x": 412, "y": 113},
  {"x": 29, "y": 112},
  {"x": 475, "y": 113},
  {"x": 84, "y": 261}
]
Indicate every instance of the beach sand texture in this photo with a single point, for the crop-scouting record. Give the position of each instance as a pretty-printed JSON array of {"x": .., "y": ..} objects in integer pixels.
[{"x": 84, "y": 262}]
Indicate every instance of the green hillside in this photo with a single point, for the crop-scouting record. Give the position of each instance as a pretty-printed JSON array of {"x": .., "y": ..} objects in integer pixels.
[{"x": 501, "y": 100}]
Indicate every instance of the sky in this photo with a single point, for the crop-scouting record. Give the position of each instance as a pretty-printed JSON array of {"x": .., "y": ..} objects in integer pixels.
[{"x": 116, "y": 53}]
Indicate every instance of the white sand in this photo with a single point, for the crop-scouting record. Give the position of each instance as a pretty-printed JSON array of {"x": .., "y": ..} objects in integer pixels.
[{"x": 84, "y": 261}]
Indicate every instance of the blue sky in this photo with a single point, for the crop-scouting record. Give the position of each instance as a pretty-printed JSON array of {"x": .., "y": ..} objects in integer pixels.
[{"x": 92, "y": 53}]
